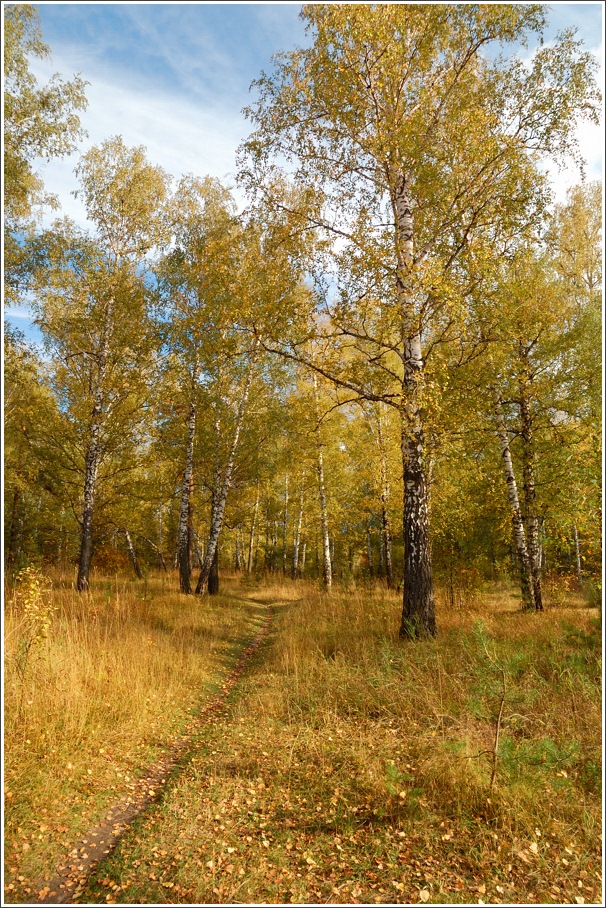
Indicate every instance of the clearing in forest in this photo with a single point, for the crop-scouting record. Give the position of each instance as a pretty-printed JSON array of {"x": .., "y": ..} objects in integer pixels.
[{"x": 345, "y": 766}]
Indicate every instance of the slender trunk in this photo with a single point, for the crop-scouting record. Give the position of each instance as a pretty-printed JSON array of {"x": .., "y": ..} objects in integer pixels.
[
  {"x": 528, "y": 480},
  {"x": 132, "y": 554},
  {"x": 253, "y": 527},
  {"x": 90, "y": 480},
  {"x": 577, "y": 551},
  {"x": 326, "y": 563},
  {"x": 217, "y": 521},
  {"x": 303, "y": 554},
  {"x": 297, "y": 539},
  {"x": 371, "y": 566},
  {"x": 93, "y": 452},
  {"x": 13, "y": 533},
  {"x": 274, "y": 547},
  {"x": 197, "y": 550},
  {"x": 158, "y": 552},
  {"x": 516, "y": 513},
  {"x": 185, "y": 517},
  {"x": 385, "y": 494},
  {"x": 239, "y": 548},
  {"x": 418, "y": 611},
  {"x": 285, "y": 528}
]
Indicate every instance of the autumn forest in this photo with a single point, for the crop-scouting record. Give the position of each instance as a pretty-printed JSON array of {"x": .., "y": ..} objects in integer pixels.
[{"x": 355, "y": 420}]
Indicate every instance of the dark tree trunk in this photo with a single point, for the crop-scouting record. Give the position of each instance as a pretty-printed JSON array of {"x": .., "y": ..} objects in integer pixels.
[
  {"x": 13, "y": 532},
  {"x": 418, "y": 611},
  {"x": 213, "y": 576}
]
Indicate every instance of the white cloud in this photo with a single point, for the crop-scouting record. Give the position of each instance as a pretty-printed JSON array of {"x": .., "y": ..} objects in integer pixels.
[{"x": 179, "y": 135}]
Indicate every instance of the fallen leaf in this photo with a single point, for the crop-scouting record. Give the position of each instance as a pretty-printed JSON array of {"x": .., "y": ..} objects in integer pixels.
[{"x": 424, "y": 895}]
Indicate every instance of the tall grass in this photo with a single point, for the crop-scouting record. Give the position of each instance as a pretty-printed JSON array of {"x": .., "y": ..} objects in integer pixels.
[
  {"x": 352, "y": 766},
  {"x": 357, "y": 767},
  {"x": 112, "y": 680}
]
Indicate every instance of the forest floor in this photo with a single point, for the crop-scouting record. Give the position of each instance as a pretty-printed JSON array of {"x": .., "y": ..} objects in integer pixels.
[{"x": 331, "y": 763}]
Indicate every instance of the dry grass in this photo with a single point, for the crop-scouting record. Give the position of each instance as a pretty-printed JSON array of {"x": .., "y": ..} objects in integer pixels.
[
  {"x": 350, "y": 768},
  {"x": 121, "y": 669}
]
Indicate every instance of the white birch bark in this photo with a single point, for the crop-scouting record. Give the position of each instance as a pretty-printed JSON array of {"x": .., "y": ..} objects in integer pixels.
[
  {"x": 326, "y": 563},
  {"x": 132, "y": 554},
  {"x": 185, "y": 509},
  {"x": 516, "y": 513},
  {"x": 253, "y": 528},
  {"x": 285, "y": 529},
  {"x": 297, "y": 539},
  {"x": 528, "y": 476},
  {"x": 418, "y": 611},
  {"x": 577, "y": 551},
  {"x": 93, "y": 452},
  {"x": 219, "y": 505}
]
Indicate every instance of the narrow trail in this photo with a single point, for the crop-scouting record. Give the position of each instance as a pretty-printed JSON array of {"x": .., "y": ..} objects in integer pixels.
[{"x": 86, "y": 855}]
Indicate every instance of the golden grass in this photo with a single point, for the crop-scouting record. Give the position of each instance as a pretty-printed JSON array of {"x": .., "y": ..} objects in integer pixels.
[
  {"x": 350, "y": 768},
  {"x": 117, "y": 676}
]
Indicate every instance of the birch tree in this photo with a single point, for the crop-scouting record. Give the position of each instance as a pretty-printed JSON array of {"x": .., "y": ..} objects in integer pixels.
[
  {"x": 92, "y": 309},
  {"x": 40, "y": 122},
  {"x": 410, "y": 143},
  {"x": 196, "y": 289}
]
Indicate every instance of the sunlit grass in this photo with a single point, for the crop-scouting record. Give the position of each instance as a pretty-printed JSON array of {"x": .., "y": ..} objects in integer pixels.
[
  {"x": 355, "y": 767},
  {"x": 117, "y": 676}
]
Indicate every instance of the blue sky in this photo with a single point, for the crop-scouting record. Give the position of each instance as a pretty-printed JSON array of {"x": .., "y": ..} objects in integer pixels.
[{"x": 175, "y": 76}]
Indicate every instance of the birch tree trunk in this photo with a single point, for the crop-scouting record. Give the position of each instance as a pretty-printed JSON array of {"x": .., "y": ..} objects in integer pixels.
[
  {"x": 326, "y": 564},
  {"x": 285, "y": 528},
  {"x": 253, "y": 528},
  {"x": 213, "y": 577},
  {"x": 219, "y": 510},
  {"x": 385, "y": 522},
  {"x": 577, "y": 551},
  {"x": 13, "y": 533},
  {"x": 516, "y": 513},
  {"x": 238, "y": 550},
  {"x": 418, "y": 612},
  {"x": 185, "y": 509},
  {"x": 158, "y": 552},
  {"x": 132, "y": 553},
  {"x": 197, "y": 550},
  {"x": 90, "y": 482},
  {"x": 297, "y": 539},
  {"x": 528, "y": 479},
  {"x": 93, "y": 453}
]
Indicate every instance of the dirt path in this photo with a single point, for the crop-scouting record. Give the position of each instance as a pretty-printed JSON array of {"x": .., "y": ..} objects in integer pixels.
[{"x": 93, "y": 848}]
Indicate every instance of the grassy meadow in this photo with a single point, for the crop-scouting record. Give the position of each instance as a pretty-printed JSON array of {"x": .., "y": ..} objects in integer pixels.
[{"x": 348, "y": 766}]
